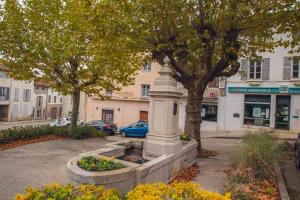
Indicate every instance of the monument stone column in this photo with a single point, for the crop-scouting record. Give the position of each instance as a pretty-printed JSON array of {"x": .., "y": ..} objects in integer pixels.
[{"x": 163, "y": 136}]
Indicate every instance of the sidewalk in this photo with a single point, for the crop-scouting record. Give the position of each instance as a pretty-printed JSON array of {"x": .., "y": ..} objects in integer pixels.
[
  {"x": 213, "y": 170},
  {"x": 282, "y": 135}
]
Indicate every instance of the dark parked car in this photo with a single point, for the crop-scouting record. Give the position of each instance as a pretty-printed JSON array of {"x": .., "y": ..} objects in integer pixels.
[
  {"x": 103, "y": 126},
  {"x": 138, "y": 129},
  {"x": 297, "y": 152}
]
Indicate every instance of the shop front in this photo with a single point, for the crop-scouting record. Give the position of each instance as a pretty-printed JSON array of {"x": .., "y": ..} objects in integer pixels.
[{"x": 272, "y": 107}]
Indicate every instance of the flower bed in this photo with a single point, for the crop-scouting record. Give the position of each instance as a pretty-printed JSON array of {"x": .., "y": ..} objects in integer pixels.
[
  {"x": 253, "y": 177},
  {"x": 157, "y": 191},
  {"x": 91, "y": 163}
]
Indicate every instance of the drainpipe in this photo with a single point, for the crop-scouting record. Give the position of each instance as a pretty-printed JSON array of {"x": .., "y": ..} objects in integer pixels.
[
  {"x": 10, "y": 100},
  {"x": 46, "y": 111}
]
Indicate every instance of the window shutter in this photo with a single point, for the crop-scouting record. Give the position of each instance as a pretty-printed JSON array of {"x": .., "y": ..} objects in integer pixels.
[
  {"x": 244, "y": 69},
  {"x": 266, "y": 69},
  {"x": 287, "y": 68}
]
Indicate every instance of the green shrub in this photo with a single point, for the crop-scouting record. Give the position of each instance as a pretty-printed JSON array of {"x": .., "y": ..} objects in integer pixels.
[
  {"x": 258, "y": 152},
  {"x": 21, "y": 133},
  {"x": 82, "y": 132},
  {"x": 60, "y": 131},
  {"x": 63, "y": 192},
  {"x": 91, "y": 163},
  {"x": 33, "y": 132},
  {"x": 185, "y": 137}
]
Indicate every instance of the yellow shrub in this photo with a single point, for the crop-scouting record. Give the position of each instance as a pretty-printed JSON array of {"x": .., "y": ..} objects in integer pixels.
[
  {"x": 156, "y": 191},
  {"x": 175, "y": 191},
  {"x": 63, "y": 192}
]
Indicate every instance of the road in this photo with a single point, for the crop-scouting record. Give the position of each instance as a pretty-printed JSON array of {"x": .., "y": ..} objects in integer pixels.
[
  {"x": 6, "y": 125},
  {"x": 291, "y": 174}
]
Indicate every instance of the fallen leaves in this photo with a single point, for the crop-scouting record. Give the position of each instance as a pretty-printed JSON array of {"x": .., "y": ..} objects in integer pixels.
[
  {"x": 18, "y": 143},
  {"x": 187, "y": 174},
  {"x": 208, "y": 153}
]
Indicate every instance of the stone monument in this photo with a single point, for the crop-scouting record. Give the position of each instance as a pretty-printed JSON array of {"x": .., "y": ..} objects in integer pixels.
[{"x": 163, "y": 136}]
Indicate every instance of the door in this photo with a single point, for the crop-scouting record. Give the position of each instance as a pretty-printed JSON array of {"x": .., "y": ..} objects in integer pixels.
[
  {"x": 53, "y": 113},
  {"x": 143, "y": 115},
  {"x": 108, "y": 115},
  {"x": 283, "y": 104}
]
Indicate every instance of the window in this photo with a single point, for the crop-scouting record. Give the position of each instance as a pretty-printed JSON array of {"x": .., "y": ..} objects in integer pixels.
[
  {"x": 49, "y": 98},
  {"x": 296, "y": 67},
  {"x": 61, "y": 99},
  {"x": 16, "y": 94},
  {"x": 2, "y": 74},
  {"x": 257, "y": 110},
  {"x": 147, "y": 67},
  {"x": 26, "y": 95},
  {"x": 54, "y": 99},
  {"x": 4, "y": 93},
  {"x": 145, "y": 90},
  {"x": 214, "y": 83},
  {"x": 255, "y": 69},
  {"x": 209, "y": 112},
  {"x": 39, "y": 101}
]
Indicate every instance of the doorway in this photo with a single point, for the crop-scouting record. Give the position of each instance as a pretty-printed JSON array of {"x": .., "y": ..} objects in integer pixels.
[
  {"x": 283, "y": 104},
  {"x": 108, "y": 115},
  {"x": 144, "y": 116}
]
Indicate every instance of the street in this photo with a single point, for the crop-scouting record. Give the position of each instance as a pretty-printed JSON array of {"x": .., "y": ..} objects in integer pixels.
[{"x": 6, "y": 125}]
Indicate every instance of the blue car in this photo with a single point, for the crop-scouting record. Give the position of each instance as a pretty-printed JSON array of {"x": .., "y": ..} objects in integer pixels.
[{"x": 138, "y": 129}]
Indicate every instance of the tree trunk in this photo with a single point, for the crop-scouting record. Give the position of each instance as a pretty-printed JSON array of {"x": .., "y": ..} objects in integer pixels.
[
  {"x": 75, "y": 107},
  {"x": 193, "y": 118}
]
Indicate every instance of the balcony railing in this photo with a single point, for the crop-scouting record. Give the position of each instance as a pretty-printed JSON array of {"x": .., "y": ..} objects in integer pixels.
[{"x": 4, "y": 98}]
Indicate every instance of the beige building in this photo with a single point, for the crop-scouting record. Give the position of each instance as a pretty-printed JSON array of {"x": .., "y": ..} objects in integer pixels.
[{"x": 124, "y": 107}]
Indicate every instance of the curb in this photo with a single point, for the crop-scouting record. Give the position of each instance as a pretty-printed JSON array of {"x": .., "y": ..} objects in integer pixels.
[
  {"x": 241, "y": 137},
  {"x": 281, "y": 185}
]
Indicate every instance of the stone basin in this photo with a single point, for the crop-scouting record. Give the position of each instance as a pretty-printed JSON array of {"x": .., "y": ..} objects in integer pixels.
[{"x": 154, "y": 169}]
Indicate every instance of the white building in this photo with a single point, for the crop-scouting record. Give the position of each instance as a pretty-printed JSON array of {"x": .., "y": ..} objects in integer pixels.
[
  {"x": 17, "y": 98},
  {"x": 54, "y": 104},
  {"x": 265, "y": 94}
]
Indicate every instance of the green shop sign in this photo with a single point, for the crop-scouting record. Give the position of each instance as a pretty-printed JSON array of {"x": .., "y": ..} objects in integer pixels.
[{"x": 265, "y": 90}]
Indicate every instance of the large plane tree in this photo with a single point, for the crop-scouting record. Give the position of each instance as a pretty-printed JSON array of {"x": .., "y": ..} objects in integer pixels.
[
  {"x": 204, "y": 39},
  {"x": 76, "y": 45}
]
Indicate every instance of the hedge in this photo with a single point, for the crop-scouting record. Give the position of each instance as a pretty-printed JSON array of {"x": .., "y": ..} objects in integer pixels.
[{"x": 33, "y": 132}]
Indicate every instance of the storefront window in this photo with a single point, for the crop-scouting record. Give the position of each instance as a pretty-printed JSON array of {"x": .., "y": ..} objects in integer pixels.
[
  {"x": 257, "y": 110},
  {"x": 209, "y": 112}
]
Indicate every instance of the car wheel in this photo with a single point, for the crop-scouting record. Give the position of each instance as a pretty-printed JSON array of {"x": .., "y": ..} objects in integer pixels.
[
  {"x": 123, "y": 134},
  {"x": 297, "y": 159}
]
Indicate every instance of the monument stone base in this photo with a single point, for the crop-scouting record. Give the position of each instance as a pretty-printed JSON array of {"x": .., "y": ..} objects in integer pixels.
[{"x": 157, "y": 145}]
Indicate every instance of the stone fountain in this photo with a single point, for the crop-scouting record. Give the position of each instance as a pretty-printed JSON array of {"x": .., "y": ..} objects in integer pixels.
[{"x": 159, "y": 157}]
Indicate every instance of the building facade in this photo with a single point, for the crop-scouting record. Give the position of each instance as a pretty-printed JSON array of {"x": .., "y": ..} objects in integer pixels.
[
  {"x": 124, "y": 107},
  {"x": 265, "y": 94},
  {"x": 211, "y": 106},
  {"x": 17, "y": 98},
  {"x": 55, "y": 104}
]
